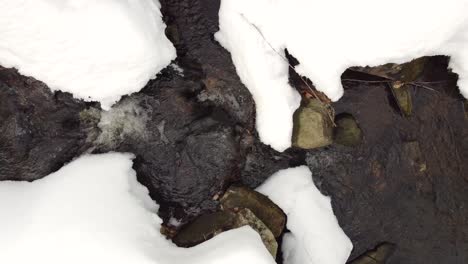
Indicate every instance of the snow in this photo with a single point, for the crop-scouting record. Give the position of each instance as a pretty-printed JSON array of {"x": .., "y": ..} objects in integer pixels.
[
  {"x": 327, "y": 37},
  {"x": 315, "y": 237},
  {"x": 93, "y": 210},
  {"x": 96, "y": 50}
]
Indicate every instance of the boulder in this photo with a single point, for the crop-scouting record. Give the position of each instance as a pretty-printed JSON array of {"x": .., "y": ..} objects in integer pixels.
[{"x": 312, "y": 125}]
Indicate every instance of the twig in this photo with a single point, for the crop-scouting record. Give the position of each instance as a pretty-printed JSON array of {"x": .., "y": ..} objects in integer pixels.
[
  {"x": 281, "y": 55},
  {"x": 330, "y": 111},
  {"x": 417, "y": 84}
]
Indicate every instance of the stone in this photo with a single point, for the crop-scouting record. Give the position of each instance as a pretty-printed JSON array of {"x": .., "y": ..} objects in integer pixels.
[
  {"x": 347, "y": 131},
  {"x": 405, "y": 73},
  {"x": 312, "y": 126},
  {"x": 209, "y": 225},
  {"x": 412, "y": 151},
  {"x": 238, "y": 197},
  {"x": 40, "y": 130},
  {"x": 402, "y": 94},
  {"x": 205, "y": 227},
  {"x": 379, "y": 255},
  {"x": 247, "y": 217}
]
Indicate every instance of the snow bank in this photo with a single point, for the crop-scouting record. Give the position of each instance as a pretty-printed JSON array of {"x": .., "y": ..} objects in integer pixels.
[
  {"x": 93, "y": 210},
  {"x": 96, "y": 50},
  {"x": 327, "y": 37},
  {"x": 316, "y": 237}
]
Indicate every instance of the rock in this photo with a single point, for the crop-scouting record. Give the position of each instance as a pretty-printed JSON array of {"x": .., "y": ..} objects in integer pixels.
[
  {"x": 465, "y": 107},
  {"x": 237, "y": 198},
  {"x": 247, "y": 217},
  {"x": 347, "y": 132},
  {"x": 186, "y": 153},
  {"x": 205, "y": 227},
  {"x": 412, "y": 151},
  {"x": 312, "y": 126},
  {"x": 405, "y": 73},
  {"x": 212, "y": 224},
  {"x": 402, "y": 94},
  {"x": 39, "y": 130},
  {"x": 379, "y": 255}
]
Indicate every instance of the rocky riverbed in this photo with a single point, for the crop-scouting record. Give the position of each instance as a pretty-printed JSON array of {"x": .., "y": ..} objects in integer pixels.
[{"x": 396, "y": 174}]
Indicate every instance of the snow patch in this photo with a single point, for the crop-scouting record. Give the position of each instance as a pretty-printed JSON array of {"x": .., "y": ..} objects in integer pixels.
[
  {"x": 327, "y": 37},
  {"x": 96, "y": 50},
  {"x": 93, "y": 210},
  {"x": 315, "y": 237}
]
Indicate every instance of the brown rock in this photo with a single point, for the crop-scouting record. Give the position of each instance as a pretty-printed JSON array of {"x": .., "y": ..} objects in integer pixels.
[
  {"x": 312, "y": 126},
  {"x": 259, "y": 204}
]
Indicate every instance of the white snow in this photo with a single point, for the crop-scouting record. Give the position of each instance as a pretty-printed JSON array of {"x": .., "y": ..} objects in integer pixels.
[
  {"x": 94, "y": 211},
  {"x": 316, "y": 237},
  {"x": 96, "y": 50},
  {"x": 327, "y": 37}
]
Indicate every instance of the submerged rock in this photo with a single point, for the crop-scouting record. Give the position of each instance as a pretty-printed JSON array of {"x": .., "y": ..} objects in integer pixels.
[
  {"x": 39, "y": 130},
  {"x": 412, "y": 151},
  {"x": 312, "y": 126},
  {"x": 237, "y": 198},
  {"x": 379, "y": 255},
  {"x": 402, "y": 94},
  {"x": 212, "y": 224},
  {"x": 347, "y": 131},
  {"x": 404, "y": 73}
]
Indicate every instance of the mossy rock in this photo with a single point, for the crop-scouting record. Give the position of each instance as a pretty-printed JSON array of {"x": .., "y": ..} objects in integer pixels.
[
  {"x": 209, "y": 225},
  {"x": 239, "y": 197},
  {"x": 402, "y": 95},
  {"x": 313, "y": 127},
  {"x": 347, "y": 131},
  {"x": 379, "y": 255},
  {"x": 405, "y": 73}
]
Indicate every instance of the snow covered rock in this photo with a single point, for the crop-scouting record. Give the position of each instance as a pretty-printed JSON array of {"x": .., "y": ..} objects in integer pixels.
[
  {"x": 327, "y": 37},
  {"x": 316, "y": 237},
  {"x": 96, "y": 50},
  {"x": 93, "y": 210}
]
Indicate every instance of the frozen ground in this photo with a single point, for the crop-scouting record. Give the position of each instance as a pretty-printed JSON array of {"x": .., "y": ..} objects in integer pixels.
[
  {"x": 96, "y": 50},
  {"x": 93, "y": 210},
  {"x": 327, "y": 37}
]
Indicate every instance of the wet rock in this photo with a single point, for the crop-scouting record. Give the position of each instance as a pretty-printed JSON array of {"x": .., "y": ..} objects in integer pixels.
[
  {"x": 210, "y": 225},
  {"x": 237, "y": 197},
  {"x": 191, "y": 26},
  {"x": 205, "y": 227},
  {"x": 404, "y": 73},
  {"x": 376, "y": 194},
  {"x": 186, "y": 152},
  {"x": 261, "y": 161},
  {"x": 402, "y": 94},
  {"x": 247, "y": 217},
  {"x": 412, "y": 151},
  {"x": 312, "y": 126},
  {"x": 379, "y": 255},
  {"x": 39, "y": 130},
  {"x": 347, "y": 131},
  {"x": 465, "y": 107}
]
